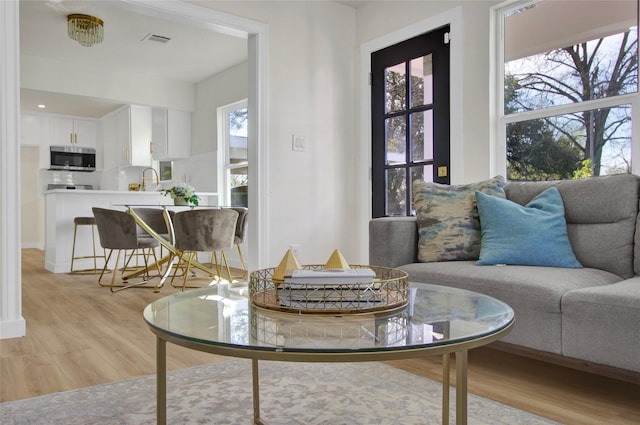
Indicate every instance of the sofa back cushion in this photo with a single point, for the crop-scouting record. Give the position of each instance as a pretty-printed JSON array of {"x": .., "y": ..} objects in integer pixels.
[{"x": 601, "y": 214}]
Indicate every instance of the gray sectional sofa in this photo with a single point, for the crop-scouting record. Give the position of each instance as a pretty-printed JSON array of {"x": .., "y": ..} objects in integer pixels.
[{"x": 588, "y": 316}]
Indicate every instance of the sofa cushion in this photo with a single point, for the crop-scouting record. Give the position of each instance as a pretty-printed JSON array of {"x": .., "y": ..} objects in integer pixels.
[
  {"x": 447, "y": 216},
  {"x": 601, "y": 214},
  {"x": 534, "y": 293},
  {"x": 600, "y": 324},
  {"x": 533, "y": 235}
]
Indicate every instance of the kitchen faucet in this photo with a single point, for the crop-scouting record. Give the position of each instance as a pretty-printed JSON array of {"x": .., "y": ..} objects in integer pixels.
[{"x": 155, "y": 172}]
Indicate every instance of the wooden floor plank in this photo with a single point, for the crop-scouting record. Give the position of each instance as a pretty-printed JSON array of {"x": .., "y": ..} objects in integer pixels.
[{"x": 80, "y": 334}]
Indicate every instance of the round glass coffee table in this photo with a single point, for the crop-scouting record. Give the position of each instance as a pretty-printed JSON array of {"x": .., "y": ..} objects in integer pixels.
[{"x": 437, "y": 320}]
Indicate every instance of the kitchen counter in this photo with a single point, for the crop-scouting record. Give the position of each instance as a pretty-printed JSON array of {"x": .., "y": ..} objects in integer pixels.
[{"x": 63, "y": 205}]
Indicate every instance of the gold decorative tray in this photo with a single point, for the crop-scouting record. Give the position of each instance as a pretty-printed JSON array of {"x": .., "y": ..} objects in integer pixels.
[{"x": 388, "y": 290}]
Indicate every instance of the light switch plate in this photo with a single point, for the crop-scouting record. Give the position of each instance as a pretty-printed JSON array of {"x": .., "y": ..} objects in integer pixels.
[{"x": 298, "y": 143}]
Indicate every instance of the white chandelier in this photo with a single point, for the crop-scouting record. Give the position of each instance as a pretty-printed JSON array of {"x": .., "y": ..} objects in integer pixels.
[{"x": 86, "y": 30}]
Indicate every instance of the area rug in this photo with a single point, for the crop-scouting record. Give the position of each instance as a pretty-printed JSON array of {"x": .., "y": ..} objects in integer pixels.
[{"x": 291, "y": 394}]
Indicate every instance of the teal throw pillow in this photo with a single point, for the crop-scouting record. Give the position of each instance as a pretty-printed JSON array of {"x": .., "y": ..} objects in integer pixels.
[
  {"x": 447, "y": 217},
  {"x": 531, "y": 235}
]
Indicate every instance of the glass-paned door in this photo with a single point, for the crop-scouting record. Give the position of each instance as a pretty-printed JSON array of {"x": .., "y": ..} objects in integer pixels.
[{"x": 410, "y": 119}]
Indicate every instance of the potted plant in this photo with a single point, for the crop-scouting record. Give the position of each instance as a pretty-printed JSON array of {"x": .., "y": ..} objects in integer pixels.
[{"x": 182, "y": 194}]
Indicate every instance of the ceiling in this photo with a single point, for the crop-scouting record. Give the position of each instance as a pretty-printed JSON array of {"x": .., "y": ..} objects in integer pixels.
[{"x": 192, "y": 55}]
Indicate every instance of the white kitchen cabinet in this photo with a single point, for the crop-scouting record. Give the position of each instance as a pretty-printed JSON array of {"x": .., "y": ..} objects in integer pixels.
[
  {"x": 140, "y": 139},
  {"x": 110, "y": 145},
  {"x": 76, "y": 132},
  {"x": 171, "y": 134},
  {"x": 127, "y": 137}
]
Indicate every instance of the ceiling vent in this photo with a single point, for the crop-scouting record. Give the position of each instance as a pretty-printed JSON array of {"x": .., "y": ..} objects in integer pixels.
[{"x": 157, "y": 38}]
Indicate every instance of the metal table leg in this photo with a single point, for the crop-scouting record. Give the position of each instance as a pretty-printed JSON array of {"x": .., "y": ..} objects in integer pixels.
[
  {"x": 161, "y": 381},
  {"x": 461, "y": 387},
  {"x": 257, "y": 420},
  {"x": 445, "y": 389}
]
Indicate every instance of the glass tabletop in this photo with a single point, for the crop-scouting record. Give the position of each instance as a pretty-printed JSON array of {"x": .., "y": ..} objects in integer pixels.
[{"x": 223, "y": 316}]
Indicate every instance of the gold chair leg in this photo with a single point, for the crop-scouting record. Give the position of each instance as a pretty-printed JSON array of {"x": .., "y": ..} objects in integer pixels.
[
  {"x": 104, "y": 269},
  {"x": 115, "y": 288},
  {"x": 175, "y": 270},
  {"x": 93, "y": 243},
  {"x": 223, "y": 255},
  {"x": 73, "y": 247},
  {"x": 226, "y": 264},
  {"x": 244, "y": 268},
  {"x": 214, "y": 259},
  {"x": 113, "y": 276},
  {"x": 186, "y": 273},
  {"x": 181, "y": 260}
]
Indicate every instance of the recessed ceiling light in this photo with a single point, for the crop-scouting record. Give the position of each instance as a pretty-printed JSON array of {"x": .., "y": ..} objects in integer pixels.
[{"x": 41, "y": 106}]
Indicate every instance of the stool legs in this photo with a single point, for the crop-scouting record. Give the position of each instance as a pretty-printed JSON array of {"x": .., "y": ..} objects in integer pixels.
[{"x": 95, "y": 269}]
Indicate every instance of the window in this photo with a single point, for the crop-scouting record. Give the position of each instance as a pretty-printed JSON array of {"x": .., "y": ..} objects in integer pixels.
[
  {"x": 410, "y": 119},
  {"x": 569, "y": 93},
  {"x": 232, "y": 122}
]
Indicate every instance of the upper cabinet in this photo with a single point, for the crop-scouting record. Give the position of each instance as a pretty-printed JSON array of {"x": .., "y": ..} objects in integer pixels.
[
  {"x": 127, "y": 137},
  {"x": 140, "y": 138},
  {"x": 73, "y": 132},
  {"x": 171, "y": 134}
]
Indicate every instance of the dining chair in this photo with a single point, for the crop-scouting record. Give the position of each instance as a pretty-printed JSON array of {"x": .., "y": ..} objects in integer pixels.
[
  {"x": 155, "y": 219},
  {"x": 203, "y": 230},
  {"x": 118, "y": 231},
  {"x": 241, "y": 229}
]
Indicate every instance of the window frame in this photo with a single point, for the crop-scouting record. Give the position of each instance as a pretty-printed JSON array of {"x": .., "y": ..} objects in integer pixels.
[
  {"x": 224, "y": 165},
  {"x": 501, "y": 120}
]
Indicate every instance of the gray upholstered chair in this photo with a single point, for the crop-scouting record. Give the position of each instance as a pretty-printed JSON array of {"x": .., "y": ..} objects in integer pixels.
[
  {"x": 154, "y": 218},
  {"x": 241, "y": 229},
  {"x": 203, "y": 230},
  {"x": 118, "y": 231}
]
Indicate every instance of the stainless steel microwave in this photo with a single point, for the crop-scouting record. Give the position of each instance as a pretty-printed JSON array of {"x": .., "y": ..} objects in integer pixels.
[{"x": 73, "y": 158}]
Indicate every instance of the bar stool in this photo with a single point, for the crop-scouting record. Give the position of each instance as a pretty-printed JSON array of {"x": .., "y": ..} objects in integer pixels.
[{"x": 85, "y": 221}]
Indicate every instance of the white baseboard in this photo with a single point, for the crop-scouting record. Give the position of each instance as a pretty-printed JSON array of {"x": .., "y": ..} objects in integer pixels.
[
  {"x": 13, "y": 328},
  {"x": 36, "y": 245}
]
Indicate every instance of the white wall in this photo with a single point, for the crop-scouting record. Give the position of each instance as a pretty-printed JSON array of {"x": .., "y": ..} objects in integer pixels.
[
  {"x": 218, "y": 90},
  {"x": 310, "y": 93},
  {"x": 377, "y": 19},
  {"x": 85, "y": 80}
]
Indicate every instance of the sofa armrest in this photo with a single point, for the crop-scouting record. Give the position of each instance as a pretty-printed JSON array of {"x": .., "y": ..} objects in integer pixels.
[{"x": 393, "y": 241}]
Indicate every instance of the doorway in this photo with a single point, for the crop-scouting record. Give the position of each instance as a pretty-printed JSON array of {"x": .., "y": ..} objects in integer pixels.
[{"x": 410, "y": 110}]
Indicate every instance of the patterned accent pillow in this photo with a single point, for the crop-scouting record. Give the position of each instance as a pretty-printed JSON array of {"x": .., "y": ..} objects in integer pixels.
[{"x": 448, "y": 223}]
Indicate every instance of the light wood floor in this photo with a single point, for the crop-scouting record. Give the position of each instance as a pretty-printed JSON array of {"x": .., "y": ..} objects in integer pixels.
[{"x": 79, "y": 334}]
